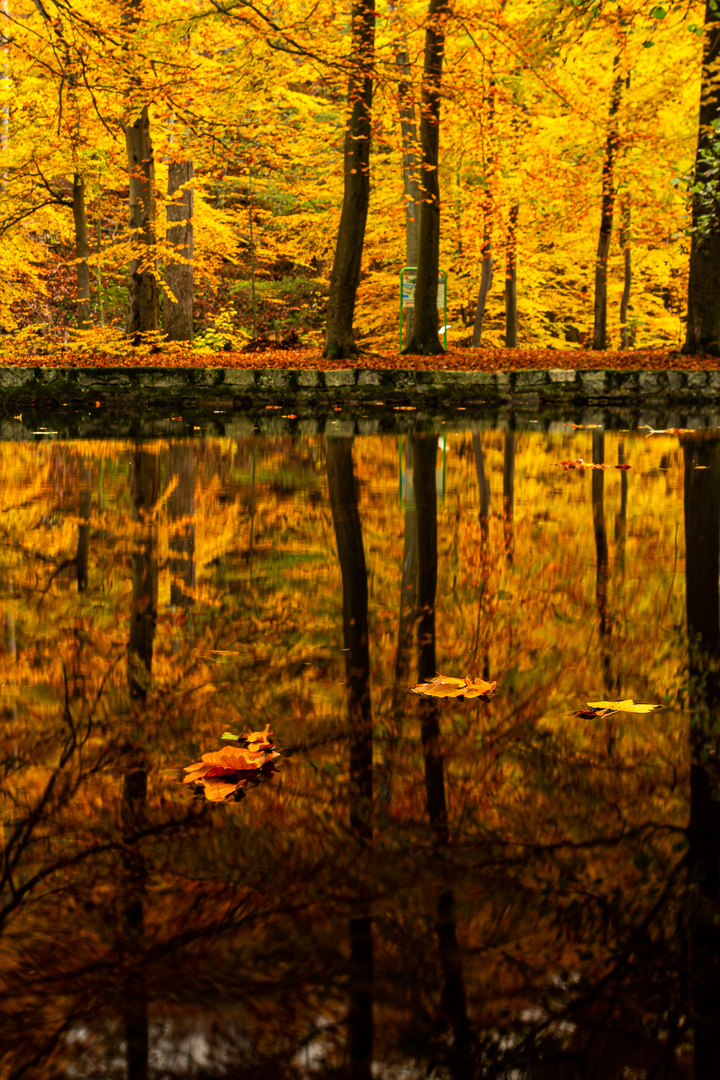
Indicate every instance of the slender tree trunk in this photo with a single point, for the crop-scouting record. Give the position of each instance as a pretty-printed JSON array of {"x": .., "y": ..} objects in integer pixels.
[
  {"x": 143, "y": 283},
  {"x": 425, "y": 337},
  {"x": 345, "y": 277},
  {"x": 408, "y": 129},
  {"x": 178, "y": 309},
  {"x": 606, "y": 217},
  {"x": 703, "y": 318},
  {"x": 486, "y": 272},
  {"x": 625, "y": 237},
  {"x": 511, "y": 315},
  {"x": 82, "y": 251}
]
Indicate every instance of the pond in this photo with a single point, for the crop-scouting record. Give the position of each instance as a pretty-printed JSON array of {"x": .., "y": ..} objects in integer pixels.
[{"x": 360, "y": 880}]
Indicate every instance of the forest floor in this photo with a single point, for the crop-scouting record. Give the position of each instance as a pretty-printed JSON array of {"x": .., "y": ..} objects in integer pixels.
[{"x": 265, "y": 355}]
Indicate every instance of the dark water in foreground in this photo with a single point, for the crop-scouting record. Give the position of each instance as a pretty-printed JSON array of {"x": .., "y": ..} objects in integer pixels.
[{"x": 450, "y": 889}]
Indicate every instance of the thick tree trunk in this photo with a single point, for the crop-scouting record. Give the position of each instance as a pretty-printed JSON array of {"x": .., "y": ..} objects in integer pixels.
[
  {"x": 600, "y": 340},
  {"x": 425, "y": 337},
  {"x": 82, "y": 251},
  {"x": 408, "y": 130},
  {"x": 143, "y": 283},
  {"x": 625, "y": 235},
  {"x": 345, "y": 277},
  {"x": 703, "y": 319},
  {"x": 178, "y": 308}
]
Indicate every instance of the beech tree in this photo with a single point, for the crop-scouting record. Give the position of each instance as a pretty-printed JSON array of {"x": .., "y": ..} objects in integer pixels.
[
  {"x": 345, "y": 276},
  {"x": 703, "y": 317},
  {"x": 425, "y": 337},
  {"x": 178, "y": 307}
]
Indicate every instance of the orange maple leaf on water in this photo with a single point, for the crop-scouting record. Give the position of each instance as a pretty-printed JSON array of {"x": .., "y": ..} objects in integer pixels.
[
  {"x": 223, "y": 774},
  {"x": 446, "y": 686}
]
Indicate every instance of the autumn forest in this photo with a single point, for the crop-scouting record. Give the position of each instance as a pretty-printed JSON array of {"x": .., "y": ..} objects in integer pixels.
[{"x": 222, "y": 173}]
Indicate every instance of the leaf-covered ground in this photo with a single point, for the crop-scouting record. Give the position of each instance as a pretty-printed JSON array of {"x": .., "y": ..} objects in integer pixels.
[{"x": 304, "y": 357}]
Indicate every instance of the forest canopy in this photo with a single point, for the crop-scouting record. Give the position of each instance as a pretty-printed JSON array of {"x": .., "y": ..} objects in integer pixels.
[{"x": 177, "y": 169}]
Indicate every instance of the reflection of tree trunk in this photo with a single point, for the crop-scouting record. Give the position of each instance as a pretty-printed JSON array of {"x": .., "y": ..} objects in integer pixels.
[
  {"x": 425, "y": 460},
  {"x": 408, "y": 587},
  {"x": 484, "y": 487},
  {"x": 453, "y": 1000},
  {"x": 145, "y": 488},
  {"x": 702, "y": 564},
  {"x": 361, "y": 998},
  {"x": 621, "y": 518},
  {"x": 601, "y": 550},
  {"x": 351, "y": 555},
  {"x": 181, "y": 507},
  {"x": 509, "y": 494},
  {"x": 145, "y": 493},
  {"x": 454, "y": 1005},
  {"x": 83, "y": 546}
]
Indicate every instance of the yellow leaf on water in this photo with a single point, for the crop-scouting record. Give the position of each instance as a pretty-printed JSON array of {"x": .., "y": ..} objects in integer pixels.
[
  {"x": 447, "y": 686},
  {"x": 623, "y": 706}
]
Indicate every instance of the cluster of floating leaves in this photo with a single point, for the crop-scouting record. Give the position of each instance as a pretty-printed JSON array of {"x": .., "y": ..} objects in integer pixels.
[
  {"x": 445, "y": 686},
  {"x": 597, "y": 709},
  {"x": 579, "y": 463},
  {"x": 223, "y": 774}
]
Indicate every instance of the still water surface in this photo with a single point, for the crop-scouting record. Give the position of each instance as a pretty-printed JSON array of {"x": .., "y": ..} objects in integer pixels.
[{"x": 487, "y": 888}]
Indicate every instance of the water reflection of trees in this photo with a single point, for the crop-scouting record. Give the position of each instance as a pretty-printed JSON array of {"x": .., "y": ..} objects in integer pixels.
[{"x": 521, "y": 906}]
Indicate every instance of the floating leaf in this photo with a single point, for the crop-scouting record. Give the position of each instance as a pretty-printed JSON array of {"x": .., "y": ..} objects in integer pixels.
[
  {"x": 623, "y": 706},
  {"x": 223, "y": 773},
  {"x": 593, "y": 714},
  {"x": 446, "y": 686}
]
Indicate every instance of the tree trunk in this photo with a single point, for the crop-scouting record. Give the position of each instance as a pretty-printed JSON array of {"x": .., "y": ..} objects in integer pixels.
[
  {"x": 82, "y": 251},
  {"x": 511, "y": 316},
  {"x": 606, "y": 217},
  {"x": 486, "y": 274},
  {"x": 625, "y": 213},
  {"x": 345, "y": 277},
  {"x": 178, "y": 308},
  {"x": 425, "y": 337},
  {"x": 143, "y": 282},
  {"x": 408, "y": 129},
  {"x": 703, "y": 318}
]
